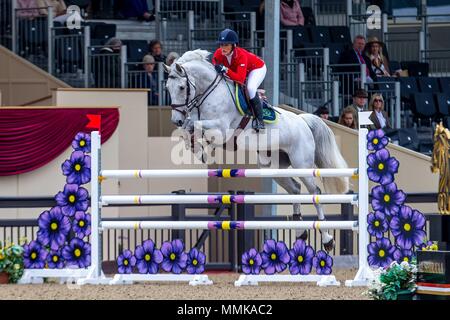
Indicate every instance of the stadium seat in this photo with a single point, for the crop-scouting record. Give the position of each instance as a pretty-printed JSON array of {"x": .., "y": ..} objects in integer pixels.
[
  {"x": 428, "y": 84},
  {"x": 136, "y": 49},
  {"x": 335, "y": 51},
  {"x": 394, "y": 66},
  {"x": 443, "y": 104},
  {"x": 424, "y": 106},
  {"x": 445, "y": 84},
  {"x": 301, "y": 36},
  {"x": 308, "y": 13},
  {"x": 340, "y": 34},
  {"x": 408, "y": 86},
  {"x": 409, "y": 138},
  {"x": 416, "y": 68},
  {"x": 385, "y": 84},
  {"x": 104, "y": 31},
  {"x": 319, "y": 34}
]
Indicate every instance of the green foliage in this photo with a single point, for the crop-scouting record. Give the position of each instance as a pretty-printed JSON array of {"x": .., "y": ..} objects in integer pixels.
[
  {"x": 11, "y": 261},
  {"x": 396, "y": 279}
]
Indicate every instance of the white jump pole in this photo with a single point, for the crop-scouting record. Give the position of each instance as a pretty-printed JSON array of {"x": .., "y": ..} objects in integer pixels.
[
  {"x": 205, "y": 199},
  {"x": 230, "y": 225},
  {"x": 228, "y": 173}
]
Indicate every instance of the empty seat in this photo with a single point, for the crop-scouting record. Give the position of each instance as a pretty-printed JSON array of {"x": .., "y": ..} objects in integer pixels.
[
  {"x": 423, "y": 105},
  {"x": 416, "y": 68},
  {"x": 385, "y": 83},
  {"x": 104, "y": 31},
  {"x": 308, "y": 14},
  {"x": 408, "y": 138},
  {"x": 408, "y": 86},
  {"x": 445, "y": 84},
  {"x": 301, "y": 36},
  {"x": 136, "y": 50},
  {"x": 428, "y": 84},
  {"x": 336, "y": 50},
  {"x": 394, "y": 66},
  {"x": 320, "y": 34},
  {"x": 443, "y": 104},
  {"x": 340, "y": 34}
]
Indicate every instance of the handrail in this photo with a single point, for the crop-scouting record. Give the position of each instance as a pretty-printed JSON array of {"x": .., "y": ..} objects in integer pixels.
[{"x": 36, "y": 101}]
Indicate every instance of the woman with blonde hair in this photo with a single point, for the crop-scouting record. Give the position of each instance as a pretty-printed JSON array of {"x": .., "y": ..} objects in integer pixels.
[
  {"x": 379, "y": 63},
  {"x": 379, "y": 117},
  {"x": 348, "y": 117}
]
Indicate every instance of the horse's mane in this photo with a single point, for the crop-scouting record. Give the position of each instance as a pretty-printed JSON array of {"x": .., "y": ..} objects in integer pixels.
[{"x": 195, "y": 55}]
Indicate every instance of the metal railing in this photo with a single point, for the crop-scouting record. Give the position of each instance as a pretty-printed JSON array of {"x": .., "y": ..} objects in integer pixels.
[
  {"x": 174, "y": 28},
  {"x": 405, "y": 45},
  {"x": 438, "y": 61},
  {"x": 349, "y": 77},
  {"x": 137, "y": 77}
]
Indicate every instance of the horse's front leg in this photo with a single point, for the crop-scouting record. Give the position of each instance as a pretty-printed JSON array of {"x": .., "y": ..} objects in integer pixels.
[{"x": 214, "y": 131}]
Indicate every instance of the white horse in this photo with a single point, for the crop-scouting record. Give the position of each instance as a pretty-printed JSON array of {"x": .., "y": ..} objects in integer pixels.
[{"x": 201, "y": 97}]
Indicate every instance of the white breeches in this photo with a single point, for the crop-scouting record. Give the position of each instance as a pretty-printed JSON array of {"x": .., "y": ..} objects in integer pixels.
[{"x": 254, "y": 80}]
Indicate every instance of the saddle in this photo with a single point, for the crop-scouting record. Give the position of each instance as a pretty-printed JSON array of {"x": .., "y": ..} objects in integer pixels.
[{"x": 243, "y": 105}]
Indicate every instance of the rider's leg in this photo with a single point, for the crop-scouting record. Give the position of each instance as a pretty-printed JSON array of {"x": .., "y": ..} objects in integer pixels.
[{"x": 255, "y": 78}]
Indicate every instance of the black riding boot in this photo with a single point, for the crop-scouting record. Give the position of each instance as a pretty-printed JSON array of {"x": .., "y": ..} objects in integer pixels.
[{"x": 258, "y": 122}]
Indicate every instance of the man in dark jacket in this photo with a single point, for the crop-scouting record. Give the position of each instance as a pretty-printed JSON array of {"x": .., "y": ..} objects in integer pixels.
[{"x": 355, "y": 55}]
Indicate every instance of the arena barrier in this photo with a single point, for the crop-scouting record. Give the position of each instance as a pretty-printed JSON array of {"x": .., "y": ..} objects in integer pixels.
[{"x": 94, "y": 274}]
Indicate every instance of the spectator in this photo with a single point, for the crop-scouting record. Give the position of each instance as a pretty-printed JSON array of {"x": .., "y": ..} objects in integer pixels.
[
  {"x": 347, "y": 118},
  {"x": 291, "y": 14},
  {"x": 148, "y": 79},
  {"x": 355, "y": 56},
  {"x": 379, "y": 117},
  {"x": 155, "y": 49},
  {"x": 171, "y": 57},
  {"x": 322, "y": 112},
  {"x": 378, "y": 62},
  {"x": 29, "y": 9},
  {"x": 59, "y": 7},
  {"x": 113, "y": 45},
  {"x": 135, "y": 9},
  {"x": 359, "y": 101}
]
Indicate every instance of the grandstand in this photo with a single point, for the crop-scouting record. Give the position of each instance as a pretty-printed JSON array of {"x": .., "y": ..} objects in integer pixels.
[{"x": 311, "y": 71}]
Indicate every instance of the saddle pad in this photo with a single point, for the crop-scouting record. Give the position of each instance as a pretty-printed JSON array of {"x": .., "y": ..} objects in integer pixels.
[{"x": 269, "y": 114}]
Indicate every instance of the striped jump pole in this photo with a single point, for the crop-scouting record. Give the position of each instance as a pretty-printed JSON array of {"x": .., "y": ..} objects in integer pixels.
[
  {"x": 228, "y": 173},
  {"x": 227, "y": 199},
  {"x": 230, "y": 225}
]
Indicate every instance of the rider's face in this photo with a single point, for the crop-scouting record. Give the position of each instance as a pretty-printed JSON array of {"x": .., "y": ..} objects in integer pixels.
[{"x": 226, "y": 49}]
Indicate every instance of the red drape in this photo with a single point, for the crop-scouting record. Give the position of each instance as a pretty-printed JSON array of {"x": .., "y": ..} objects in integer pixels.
[{"x": 31, "y": 138}]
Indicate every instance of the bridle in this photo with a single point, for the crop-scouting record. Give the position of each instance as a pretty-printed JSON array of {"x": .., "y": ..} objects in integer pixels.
[{"x": 186, "y": 107}]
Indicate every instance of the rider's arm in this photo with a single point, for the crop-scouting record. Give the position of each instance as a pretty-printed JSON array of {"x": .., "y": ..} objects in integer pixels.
[{"x": 240, "y": 74}]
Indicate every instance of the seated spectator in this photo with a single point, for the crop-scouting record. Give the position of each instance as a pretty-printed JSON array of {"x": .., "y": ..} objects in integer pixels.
[
  {"x": 378, "y": 61},
  {"x": 291, "y": 14},
  {"x": 148, "y": 79},
  {"x": 59, "y": 7},
  {"x": 322, "y": 112},
  {"x": 379, "y": 117},
  {"x": 347, "y": 118},
  {"x": 155, "y": 49},
  {"x": 136, "y": 9},
  {"x": 359, "y": 101},
  {"x": 355, "y": 55},
  {"x": 113, "y": 45},
  {"x": 171, "y": 57},
  {"x": 29, "y": 9}
]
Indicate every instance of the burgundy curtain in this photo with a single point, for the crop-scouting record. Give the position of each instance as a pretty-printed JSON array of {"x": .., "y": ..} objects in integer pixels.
[{"x": 31, "y": 138}]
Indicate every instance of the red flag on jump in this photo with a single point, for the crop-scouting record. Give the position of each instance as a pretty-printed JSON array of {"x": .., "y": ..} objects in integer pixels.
[{"x": 94, "y": 121}]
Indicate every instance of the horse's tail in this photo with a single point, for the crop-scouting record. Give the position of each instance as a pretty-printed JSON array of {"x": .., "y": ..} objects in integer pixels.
[{"x": 327, "y": 154}]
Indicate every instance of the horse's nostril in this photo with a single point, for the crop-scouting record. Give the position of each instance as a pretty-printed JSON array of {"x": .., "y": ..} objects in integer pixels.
[{"x": 179, "y": 123}]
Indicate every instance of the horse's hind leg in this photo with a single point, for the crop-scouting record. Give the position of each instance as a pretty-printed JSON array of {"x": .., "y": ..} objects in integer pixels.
[{"x": 327, "y": 238}]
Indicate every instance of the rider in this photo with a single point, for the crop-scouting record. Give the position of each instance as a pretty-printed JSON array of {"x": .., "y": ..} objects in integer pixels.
[{"x": 240, "y": 65}]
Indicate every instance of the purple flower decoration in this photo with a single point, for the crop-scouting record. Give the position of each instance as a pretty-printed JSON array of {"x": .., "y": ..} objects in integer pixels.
[
  {"x": 387, "y": 199},
  {"x": 195, "y": 261},
  {"x": 126, "y": 262},
  {"x": 401, "y": 255},
  {"x": 81, "y": 225},
  {"x": 54, "y": 227},
  {"x": 34, "y": 255},
  {"x": 378, "y": 224},
  {"x": 424, "y": 244},
  {"x": 82, "y": 142},
  {"x": 55, "y": 260},
  {"x": 275, "y": 256},
  {"x": 376, "y": 140},
  {"x": 174, "y": 257},
  {"x": 78, "y": 168},
  {"x": 301, "y": 258},
  {"x": 148, "y": 258},
  {"x": 408, "y": 228},
  {"x": 77, "y": 253},
  {"x": 382, "y": 167},
  {"x": 380, "y": 253},
  {"x": 251, "y": 262},
  {"x": 322, "y": 262},
  {"x": 72, "y": 199}
]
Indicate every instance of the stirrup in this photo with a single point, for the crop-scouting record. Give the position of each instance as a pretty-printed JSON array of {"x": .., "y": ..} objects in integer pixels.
[{"x": 257, "y": 125}]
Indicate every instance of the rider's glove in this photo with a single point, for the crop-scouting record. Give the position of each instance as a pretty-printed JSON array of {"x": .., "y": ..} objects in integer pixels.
[{"x": 220, "y": 68}]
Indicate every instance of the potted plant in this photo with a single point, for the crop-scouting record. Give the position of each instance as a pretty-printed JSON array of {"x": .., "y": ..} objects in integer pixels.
[
  {"x": 11, "y": 263},
  {"x": 396, "y": 282}
]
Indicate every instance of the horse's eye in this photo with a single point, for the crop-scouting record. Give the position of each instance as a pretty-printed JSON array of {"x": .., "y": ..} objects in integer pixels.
[{"x": 181, "y": 88}]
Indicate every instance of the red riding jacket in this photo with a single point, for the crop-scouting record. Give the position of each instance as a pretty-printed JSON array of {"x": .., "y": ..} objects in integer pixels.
[{"x": 242, "y": 62}]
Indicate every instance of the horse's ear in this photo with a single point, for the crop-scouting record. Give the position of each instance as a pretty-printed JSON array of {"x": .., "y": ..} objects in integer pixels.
[
  {"x": 166, "y": 68},
  {"x": 179, "y": 68}
]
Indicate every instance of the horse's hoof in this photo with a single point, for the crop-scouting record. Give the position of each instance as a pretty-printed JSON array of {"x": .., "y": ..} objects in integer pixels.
[
  {"x": 329, "y": 246},
  {"x": 303, "y": 236}
]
